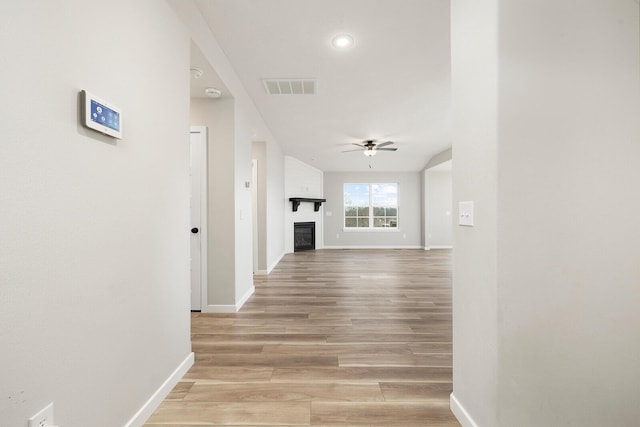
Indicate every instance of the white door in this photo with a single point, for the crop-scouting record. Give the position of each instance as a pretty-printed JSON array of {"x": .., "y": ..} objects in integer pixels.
[{"x": 198, "y": 207}]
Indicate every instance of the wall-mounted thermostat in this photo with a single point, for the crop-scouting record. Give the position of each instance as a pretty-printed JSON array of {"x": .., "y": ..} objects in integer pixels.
[{"x": 99, "y": 115}]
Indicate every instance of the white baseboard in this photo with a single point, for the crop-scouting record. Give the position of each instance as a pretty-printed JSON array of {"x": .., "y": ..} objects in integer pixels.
[
  {"x": 245, "y": 298},
  {"x": 163, "y": 391},
  {"x": 219, "y": 308},
  {"x": 274, "y": 264},
  {"x": 375, "y": 247},
  {"x": 229, "y": 308},
  {"x": 460, "y": 413},
  {"x": 427, "y": 248},
  {"x": 261, "y": 273}
]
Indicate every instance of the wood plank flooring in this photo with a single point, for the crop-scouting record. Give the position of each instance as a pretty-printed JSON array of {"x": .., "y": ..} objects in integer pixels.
[{"x": 331, "y": 338}]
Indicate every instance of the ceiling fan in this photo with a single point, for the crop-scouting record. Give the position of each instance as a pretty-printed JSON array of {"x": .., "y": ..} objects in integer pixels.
[{"x": 370, "y": 148}]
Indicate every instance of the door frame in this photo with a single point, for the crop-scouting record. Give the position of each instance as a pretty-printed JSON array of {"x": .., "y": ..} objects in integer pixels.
[
  {"x": 203, "y": 151},
  {"x": 254, "y": 208}
]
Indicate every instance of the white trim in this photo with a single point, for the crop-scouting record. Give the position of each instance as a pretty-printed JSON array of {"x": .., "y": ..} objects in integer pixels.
[
  {"x": 274, "y": 264},
  {"x": 228, "y": 308},
  {"x": 439, "y": 247},
  {"x": 255, "y": 214},
  {"x": 163, "y": 391},
  {"x": 245, "y": 298},
  {"x": 271, "y": 267},
  {"x": 376, "y": 247},
  {"x": 219, "y": 308},
  {"x": 204, "y": 233},
  {"x": 460, "y": 413},
  {"x": 371, "y": 230}
]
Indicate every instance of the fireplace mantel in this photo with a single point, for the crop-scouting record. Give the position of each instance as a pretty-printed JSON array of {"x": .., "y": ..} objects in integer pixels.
[{"x": 295, "y": 202}]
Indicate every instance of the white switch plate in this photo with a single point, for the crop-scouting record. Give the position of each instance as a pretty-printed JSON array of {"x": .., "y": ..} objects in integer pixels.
[
  {"x": 465, "y": 213},
  {"x": 44, "y": 418}
]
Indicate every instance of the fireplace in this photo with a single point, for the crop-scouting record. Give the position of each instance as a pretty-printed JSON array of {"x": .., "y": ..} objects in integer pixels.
[{"x": 304, "y": 236}]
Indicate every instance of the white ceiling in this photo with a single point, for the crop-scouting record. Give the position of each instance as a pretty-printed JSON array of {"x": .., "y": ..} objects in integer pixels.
[
  {"x": 209, "y": 77},
  {"x": 393, "y": 84}
]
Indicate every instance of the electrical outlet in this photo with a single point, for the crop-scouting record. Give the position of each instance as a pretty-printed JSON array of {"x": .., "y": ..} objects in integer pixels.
[{"x": 44, "y": 418}]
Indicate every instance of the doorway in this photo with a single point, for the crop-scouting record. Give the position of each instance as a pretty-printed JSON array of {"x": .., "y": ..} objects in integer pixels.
[{"x": 198, "y": 214}]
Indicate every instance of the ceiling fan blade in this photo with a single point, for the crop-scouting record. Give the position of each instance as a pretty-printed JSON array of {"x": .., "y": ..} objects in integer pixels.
[
  {"x": 348, "y": 151},
  {"x": 358, "y": 145},
  {"x": 386, "y": 149},
  {"x": 383, "y": 144}
]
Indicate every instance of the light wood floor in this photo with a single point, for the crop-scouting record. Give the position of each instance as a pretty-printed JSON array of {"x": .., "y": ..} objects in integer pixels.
[{"x": 330, "y": 338}]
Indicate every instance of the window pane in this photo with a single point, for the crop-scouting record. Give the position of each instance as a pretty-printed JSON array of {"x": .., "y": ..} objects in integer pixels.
[
  {"x": 356, "y": 204},
  {"x": 363, "y": 222},
  {"x": 371, "y": 205},
  {"x": 356, "y": 195}
]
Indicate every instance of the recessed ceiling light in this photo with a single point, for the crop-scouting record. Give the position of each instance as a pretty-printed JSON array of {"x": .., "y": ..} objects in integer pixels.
[
  {"x": 212, "y": 92},
  {"x": 342, "y": 41}
]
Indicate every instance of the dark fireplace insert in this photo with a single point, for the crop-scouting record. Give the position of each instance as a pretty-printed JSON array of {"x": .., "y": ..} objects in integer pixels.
[{"x": 304, "y": 236}]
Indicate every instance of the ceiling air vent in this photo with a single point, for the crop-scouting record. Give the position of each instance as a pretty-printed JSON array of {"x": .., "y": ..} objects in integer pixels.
[{"x": 290, "y": 86}]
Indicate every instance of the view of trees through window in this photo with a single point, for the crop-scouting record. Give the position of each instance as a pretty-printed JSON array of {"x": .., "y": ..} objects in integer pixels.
[{"x": 371, "y": 205}]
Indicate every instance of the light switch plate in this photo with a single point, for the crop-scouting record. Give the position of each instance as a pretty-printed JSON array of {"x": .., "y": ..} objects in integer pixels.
[
  {"x": 44, "y": 418},
  {"x": 465, "y": 213}
]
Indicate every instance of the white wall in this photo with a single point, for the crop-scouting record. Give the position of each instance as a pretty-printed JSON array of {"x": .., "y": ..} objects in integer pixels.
[
  {"x": 248, "y": 126},
  {"x": 569, "y": 281},
  {"x": 259, "y": 153},
  {"x": 440, "y": 158},
  {"x": 547, "y": 332},
  {"x": 244, "y": 219},
  {"x": 271, "y": 206},
  {"x": 438, "y": 220},
  {"x": 277, "y": 204},
  {"x": 218, "y": 116},
  {"x": 94, "y": 259},
  {"x": 409, "y": 209},
  {"x": 474, "y": 27},
  {"x": 302, "y": 180}
]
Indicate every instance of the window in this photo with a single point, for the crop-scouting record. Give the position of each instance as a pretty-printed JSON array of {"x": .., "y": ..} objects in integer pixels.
[{"x": 371, "y": 206}]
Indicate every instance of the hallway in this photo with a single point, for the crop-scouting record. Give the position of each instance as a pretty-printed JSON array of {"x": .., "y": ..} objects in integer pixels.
[{"x": 332, "y": 338}]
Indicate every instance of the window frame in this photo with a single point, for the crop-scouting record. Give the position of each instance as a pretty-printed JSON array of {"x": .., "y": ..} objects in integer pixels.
[{"x": 371, "y": 216}]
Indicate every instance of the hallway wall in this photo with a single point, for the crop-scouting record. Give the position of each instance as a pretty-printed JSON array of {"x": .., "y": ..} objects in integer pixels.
[
  {"x": 546, "y": 141},
  {"x": 218, "y": 116},
  {"x": 569, "y": 282},
  {"x": 94, "y": 252}
]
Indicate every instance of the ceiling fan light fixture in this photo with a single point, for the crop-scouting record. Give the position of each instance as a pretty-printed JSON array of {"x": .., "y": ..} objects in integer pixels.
[
  {"x": 342, "y": 41},
  {"x": 369, "y": 153}
]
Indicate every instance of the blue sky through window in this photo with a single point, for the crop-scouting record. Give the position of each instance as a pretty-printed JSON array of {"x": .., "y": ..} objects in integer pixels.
[
  {"x": 356, "y": 194},
  {"x": 371, "y": 206},
  {"x": 385, "y": 195}
]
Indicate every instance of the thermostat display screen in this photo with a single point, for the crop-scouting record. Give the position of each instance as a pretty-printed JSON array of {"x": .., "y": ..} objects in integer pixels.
[
  {"x": 105, "y": 116},
  {"x": 100, "y": 115}
]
